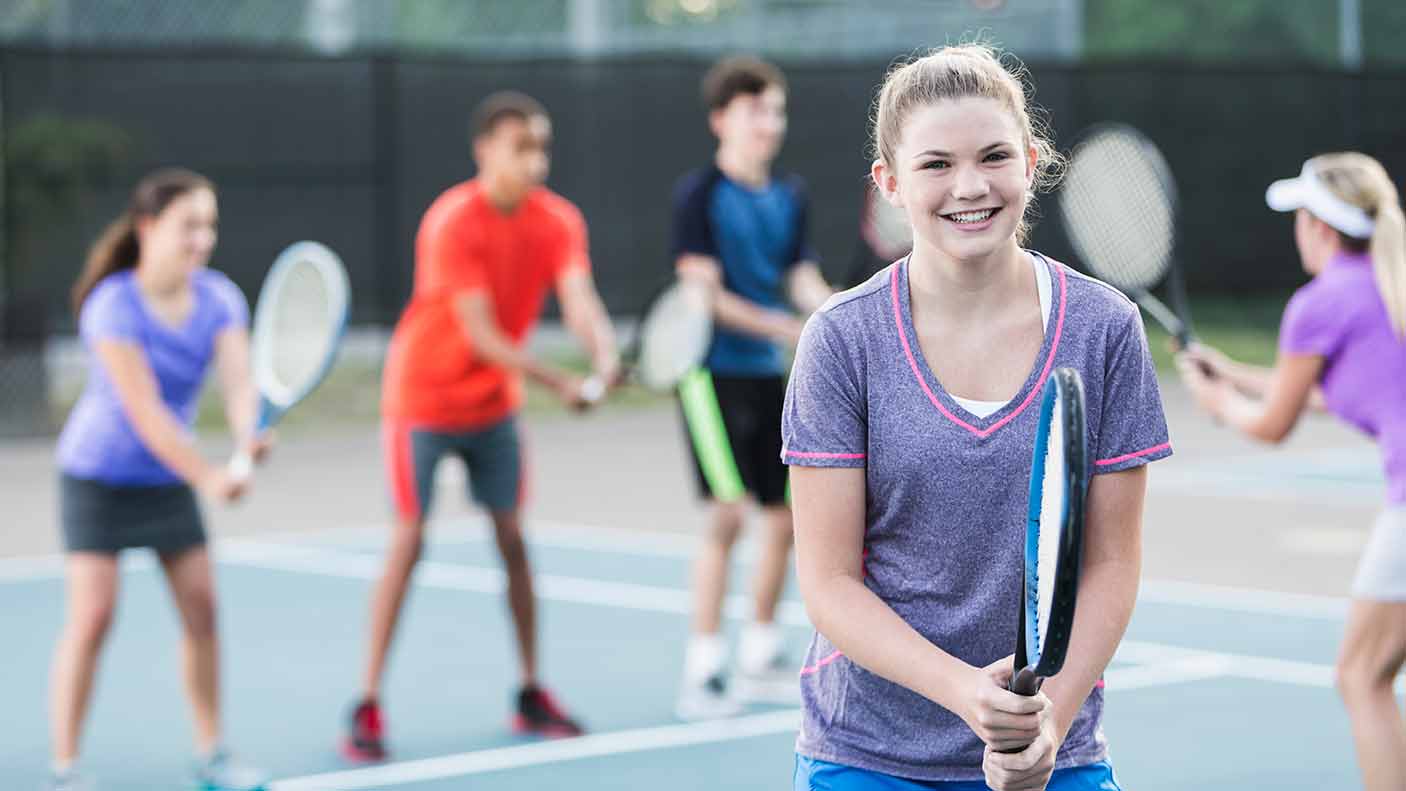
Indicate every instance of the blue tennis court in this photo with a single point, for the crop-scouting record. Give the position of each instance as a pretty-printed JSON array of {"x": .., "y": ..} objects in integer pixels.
[{"x": 1214, "y": 687}]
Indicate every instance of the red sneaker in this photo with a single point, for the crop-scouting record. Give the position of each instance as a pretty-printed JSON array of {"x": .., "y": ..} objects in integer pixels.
[
  {"x": 538, "y": 713},
  {"x": 366, "y": 733}
]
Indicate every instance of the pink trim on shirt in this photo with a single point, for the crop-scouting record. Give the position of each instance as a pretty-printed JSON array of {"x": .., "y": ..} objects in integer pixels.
[
  {"x": 1034, "y": 391},
  {"x": 1133, "y": 455},
  {"x": 815, "y": 668},
  {"x": 803, "y": 455}
]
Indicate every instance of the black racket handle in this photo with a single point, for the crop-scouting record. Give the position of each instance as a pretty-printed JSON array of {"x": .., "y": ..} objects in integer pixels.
[
  {"x": 1026, "y": 683},
  {"x": 1183, "y": 340}
]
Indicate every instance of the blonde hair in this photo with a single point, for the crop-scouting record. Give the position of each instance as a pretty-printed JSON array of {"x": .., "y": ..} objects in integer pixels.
[
  {"x": 1362, "y": 181},
  {"x": 958, "y": 72}
]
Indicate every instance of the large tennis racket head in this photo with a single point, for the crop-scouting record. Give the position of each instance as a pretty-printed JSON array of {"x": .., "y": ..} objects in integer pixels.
[
  {"x": 298, "y": 326},
  {"x": 1118, "y": 206},
  {"x": 674, "y": 333},
  {"x": 1053, "y": 533}
]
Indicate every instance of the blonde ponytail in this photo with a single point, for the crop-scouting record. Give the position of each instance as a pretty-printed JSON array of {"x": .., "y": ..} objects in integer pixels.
[
  {"x": 1362, "y": 181},
  {"x": 1389, "y": 261}
]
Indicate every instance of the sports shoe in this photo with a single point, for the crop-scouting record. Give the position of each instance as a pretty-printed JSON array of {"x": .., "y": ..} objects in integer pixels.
[
  {"x": 776, "y": 681},
  {"x": 706, "y": 700},
  {"x": 221, "y": 772},
  {"x": 539, "y": 713},
  {"x": 366, "y": 734},
  {"x": 70, "y": 780}
]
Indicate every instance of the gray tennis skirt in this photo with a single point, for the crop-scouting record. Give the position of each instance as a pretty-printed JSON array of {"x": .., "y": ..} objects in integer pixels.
[{"x": 102, "y": 517}]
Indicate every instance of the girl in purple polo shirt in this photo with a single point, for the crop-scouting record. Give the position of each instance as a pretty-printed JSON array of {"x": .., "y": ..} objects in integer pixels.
[
  {"x": 909, "y": 424},
  {"x": 152, "y": 318},
  {"x": 1343, "y": 340}
]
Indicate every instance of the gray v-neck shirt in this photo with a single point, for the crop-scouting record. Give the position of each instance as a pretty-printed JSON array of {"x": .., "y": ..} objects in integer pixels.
[{"x": 946, "y": 495}]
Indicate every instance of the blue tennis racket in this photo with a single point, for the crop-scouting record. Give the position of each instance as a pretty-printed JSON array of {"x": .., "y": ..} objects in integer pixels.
[
  {"x": 298, "y": 327},
  {"x": 1054, "y": 533}
]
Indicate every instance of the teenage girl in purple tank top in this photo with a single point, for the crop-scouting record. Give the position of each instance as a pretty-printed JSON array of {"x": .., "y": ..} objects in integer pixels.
[
  {"x": 153, "y": 319},
  {"x": 1342, "y": 343}
]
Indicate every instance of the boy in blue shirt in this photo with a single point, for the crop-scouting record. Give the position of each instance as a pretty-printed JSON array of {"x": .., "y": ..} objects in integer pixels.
[{"x": 741, "y": 229}]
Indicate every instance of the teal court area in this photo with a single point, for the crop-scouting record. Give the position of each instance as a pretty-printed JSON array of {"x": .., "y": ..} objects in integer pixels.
[{"x": 1214, "y": 687}]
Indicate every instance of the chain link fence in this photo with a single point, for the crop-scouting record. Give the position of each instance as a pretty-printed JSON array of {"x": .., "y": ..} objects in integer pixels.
[
  {"x": 795, "y": 29},
  {"x": 341, "y": 119}
]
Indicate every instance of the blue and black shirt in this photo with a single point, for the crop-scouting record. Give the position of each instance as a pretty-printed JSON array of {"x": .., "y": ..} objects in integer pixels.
[{"x": 757, "y": 236}]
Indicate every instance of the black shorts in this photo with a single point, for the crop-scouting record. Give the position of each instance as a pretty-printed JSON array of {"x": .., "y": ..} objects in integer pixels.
[
  {"x": 734, "y": 428},
  {"x": 102, "y": 517}
]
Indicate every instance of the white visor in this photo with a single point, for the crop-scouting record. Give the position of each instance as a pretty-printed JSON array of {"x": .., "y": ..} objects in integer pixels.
[{"x": 1307, "y": 191}]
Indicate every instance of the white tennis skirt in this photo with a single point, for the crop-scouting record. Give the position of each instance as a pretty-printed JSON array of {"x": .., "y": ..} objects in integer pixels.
[{"x": 1381, "y": 574}]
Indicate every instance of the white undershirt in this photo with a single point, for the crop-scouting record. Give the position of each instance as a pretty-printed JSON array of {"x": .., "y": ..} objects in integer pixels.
[{"x": 1042, "y": 285}]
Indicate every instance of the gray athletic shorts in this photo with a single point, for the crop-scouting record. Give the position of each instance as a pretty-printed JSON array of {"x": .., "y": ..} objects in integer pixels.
[
  {"x": 102, "y": 517},
  {"x": 492, "y": 455}
]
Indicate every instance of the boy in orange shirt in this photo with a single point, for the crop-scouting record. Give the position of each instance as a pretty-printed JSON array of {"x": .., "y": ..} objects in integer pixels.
[{"x": 487, "y": 252}]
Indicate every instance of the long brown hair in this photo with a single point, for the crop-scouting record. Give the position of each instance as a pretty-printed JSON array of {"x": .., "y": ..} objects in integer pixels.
[{"x": 118, "y": 247}]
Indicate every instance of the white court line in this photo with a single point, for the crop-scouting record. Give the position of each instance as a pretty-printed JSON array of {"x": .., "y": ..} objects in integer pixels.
[
  {"x": 1242, "y": 666},
  {"x": 540, "y": 532},
  {"x": 1150, "y": 656},
  {"x": 566, "y": 535},
  {"x": 590, "y": 746},
  {"x": 476, "y": 579},
  {"x": 1189, "y": 668},
  {"x": 1261, "y": 602},
  {"x": 33, "y": 568},
  {"x": 1178, "y": 660}
]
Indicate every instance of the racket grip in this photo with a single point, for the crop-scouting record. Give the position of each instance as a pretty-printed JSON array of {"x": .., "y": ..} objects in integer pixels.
[
  {"x": 241, "y": 466},
  {"x": 1025, "y": 682}
]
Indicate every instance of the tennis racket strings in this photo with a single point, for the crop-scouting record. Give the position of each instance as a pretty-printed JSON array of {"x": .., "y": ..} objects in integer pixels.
[
  {"x": 674, "y": 336},
  {"x": 1054, "y": 504},
  {"x": 305, "y": 330},
  {"x": 1118, "y": 209}
]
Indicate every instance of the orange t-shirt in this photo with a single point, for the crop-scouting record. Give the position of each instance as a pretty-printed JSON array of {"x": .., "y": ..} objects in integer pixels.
[{"x": 466, "y": 244}]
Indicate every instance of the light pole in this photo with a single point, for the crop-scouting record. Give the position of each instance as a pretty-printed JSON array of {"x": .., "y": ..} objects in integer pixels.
[{"x": 1350, "y": 33}]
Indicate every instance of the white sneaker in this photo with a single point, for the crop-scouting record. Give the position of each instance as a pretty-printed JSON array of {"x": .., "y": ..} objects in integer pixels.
[
  {"x": 777, "y": 681},
  {"x": 71, "y": 780},
  {"x": 706, "y": 701},
  {"x": 221, "y": 772}
]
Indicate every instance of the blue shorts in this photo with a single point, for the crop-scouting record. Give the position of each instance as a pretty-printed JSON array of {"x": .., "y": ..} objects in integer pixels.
[{"x": 813, "y": 775}]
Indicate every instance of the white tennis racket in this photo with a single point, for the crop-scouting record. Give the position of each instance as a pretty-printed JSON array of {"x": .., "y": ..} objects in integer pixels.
[
  {"x": 675, "y": 330},
  {"x": 298, "y": 326},
  {"x": 1119, "y": 207}
]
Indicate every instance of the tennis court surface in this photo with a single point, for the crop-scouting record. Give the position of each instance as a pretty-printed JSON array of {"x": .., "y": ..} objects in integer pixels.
[{"x": 1224, "y": 680}]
